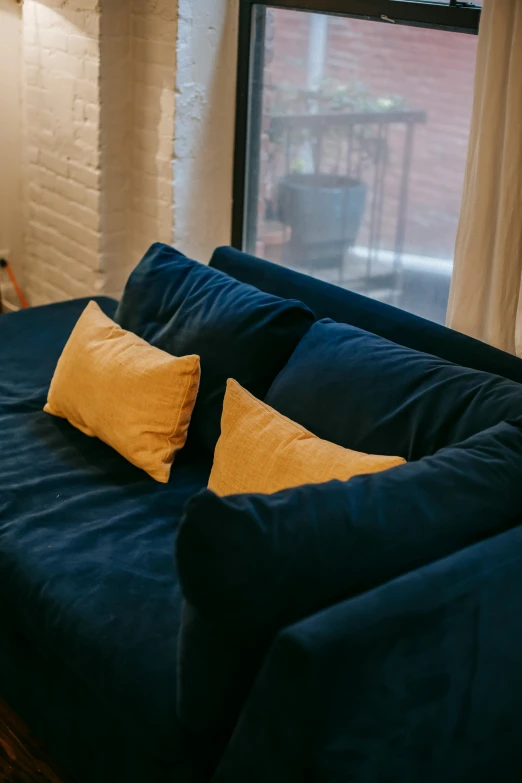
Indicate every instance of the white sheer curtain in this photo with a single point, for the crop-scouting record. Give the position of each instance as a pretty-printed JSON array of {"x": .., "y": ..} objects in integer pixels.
[{"x": 486, "y": 291}]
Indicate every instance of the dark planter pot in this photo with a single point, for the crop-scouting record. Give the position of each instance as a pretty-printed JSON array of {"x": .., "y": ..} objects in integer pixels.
[{"x": 325, "y": 212}]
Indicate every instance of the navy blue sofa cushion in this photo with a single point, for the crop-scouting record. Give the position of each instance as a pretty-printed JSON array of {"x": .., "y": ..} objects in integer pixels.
[
  {"x": 89, "y": 738},
  {"x": 251, "y": 564},
  {"x": 332, "y": 301},
  {"x": 184, "y": 307},
  {"x": 364, "y": 392},
  {"x": 87, "y": 576},
  {"x": 32, "y": 342},
  {"x": 417, "y": 681}
]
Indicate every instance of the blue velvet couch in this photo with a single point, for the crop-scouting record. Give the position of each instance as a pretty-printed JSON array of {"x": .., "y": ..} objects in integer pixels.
[{"x": 91, "y": 605}]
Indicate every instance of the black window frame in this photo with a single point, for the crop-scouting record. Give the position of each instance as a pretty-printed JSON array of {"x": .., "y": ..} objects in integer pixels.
[{"x": 453, "y": 17}]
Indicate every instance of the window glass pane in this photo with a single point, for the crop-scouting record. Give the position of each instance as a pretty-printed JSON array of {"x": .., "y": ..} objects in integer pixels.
[{"x": 358, "y": 140}]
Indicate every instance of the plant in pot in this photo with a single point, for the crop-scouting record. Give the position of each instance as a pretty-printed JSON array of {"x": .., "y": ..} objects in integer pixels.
[{"x": 328, "y": 141}]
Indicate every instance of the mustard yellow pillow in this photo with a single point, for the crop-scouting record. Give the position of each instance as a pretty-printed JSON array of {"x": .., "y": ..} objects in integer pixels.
[
  {"x": 262, "y": 451},
  {"x": 112, "y": 385}
]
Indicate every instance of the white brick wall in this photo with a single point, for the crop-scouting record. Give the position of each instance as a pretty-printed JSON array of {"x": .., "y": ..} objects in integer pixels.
[
  {"x": 102, "y": 171},
  {"x": 116, "y": 142},
  {"x": 154, "y": 78},
  {"x": 63, "y": 224},
  {"x": 99, "y": 117}
]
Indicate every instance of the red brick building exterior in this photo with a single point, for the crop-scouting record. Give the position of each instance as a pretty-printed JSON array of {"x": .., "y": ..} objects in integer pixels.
[{"x": 431, "y": 71}]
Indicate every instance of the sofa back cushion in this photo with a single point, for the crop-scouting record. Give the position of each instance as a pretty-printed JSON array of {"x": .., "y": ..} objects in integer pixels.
[
  {"x": 369, "y": 394},
  {"x": 184, "y": 307},
  {"x": 333, "y": 301},
  {"x": 252, "y": 564}
]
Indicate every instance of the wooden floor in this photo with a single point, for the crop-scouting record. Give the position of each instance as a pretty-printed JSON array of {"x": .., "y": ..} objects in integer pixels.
[{"x": 22, "y": 757}]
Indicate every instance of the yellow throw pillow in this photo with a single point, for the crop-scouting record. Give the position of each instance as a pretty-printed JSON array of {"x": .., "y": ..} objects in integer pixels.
[
  {"x": 262, "y": 451},
  {"x": 113, "y": 385}
]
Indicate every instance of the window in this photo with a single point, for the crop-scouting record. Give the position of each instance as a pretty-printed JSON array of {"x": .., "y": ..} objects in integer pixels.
[{"x": 352, "y": 132}]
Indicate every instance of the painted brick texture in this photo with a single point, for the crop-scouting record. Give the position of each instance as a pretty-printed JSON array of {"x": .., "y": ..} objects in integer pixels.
[
  {"x": 61, "y": 64},
  {"x": 99, "y": 81},
  {"x": 154, "y": 80},
  {"x": 115, "y": 143}
]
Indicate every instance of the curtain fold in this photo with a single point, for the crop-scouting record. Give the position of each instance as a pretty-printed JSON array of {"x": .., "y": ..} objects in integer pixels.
[{"x": 486, "y": 290}]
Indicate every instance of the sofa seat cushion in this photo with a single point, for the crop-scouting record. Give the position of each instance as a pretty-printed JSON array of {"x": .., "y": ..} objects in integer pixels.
[
  {"x": 31, "y": 344},
  {"x": 86, "y": 540},
  {"x": 86, "y": 564},
  {"x": 92, "y": 743},
  {"x": 369, "y": 394}
]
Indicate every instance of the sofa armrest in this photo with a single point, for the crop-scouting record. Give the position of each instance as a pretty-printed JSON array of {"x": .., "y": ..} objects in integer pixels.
[{"x": 418, "y": 680}]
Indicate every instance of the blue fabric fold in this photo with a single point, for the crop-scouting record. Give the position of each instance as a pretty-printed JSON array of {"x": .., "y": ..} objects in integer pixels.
[
  {"x": 251, "y": 564},
  {"x": 417, "y": 680}
]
